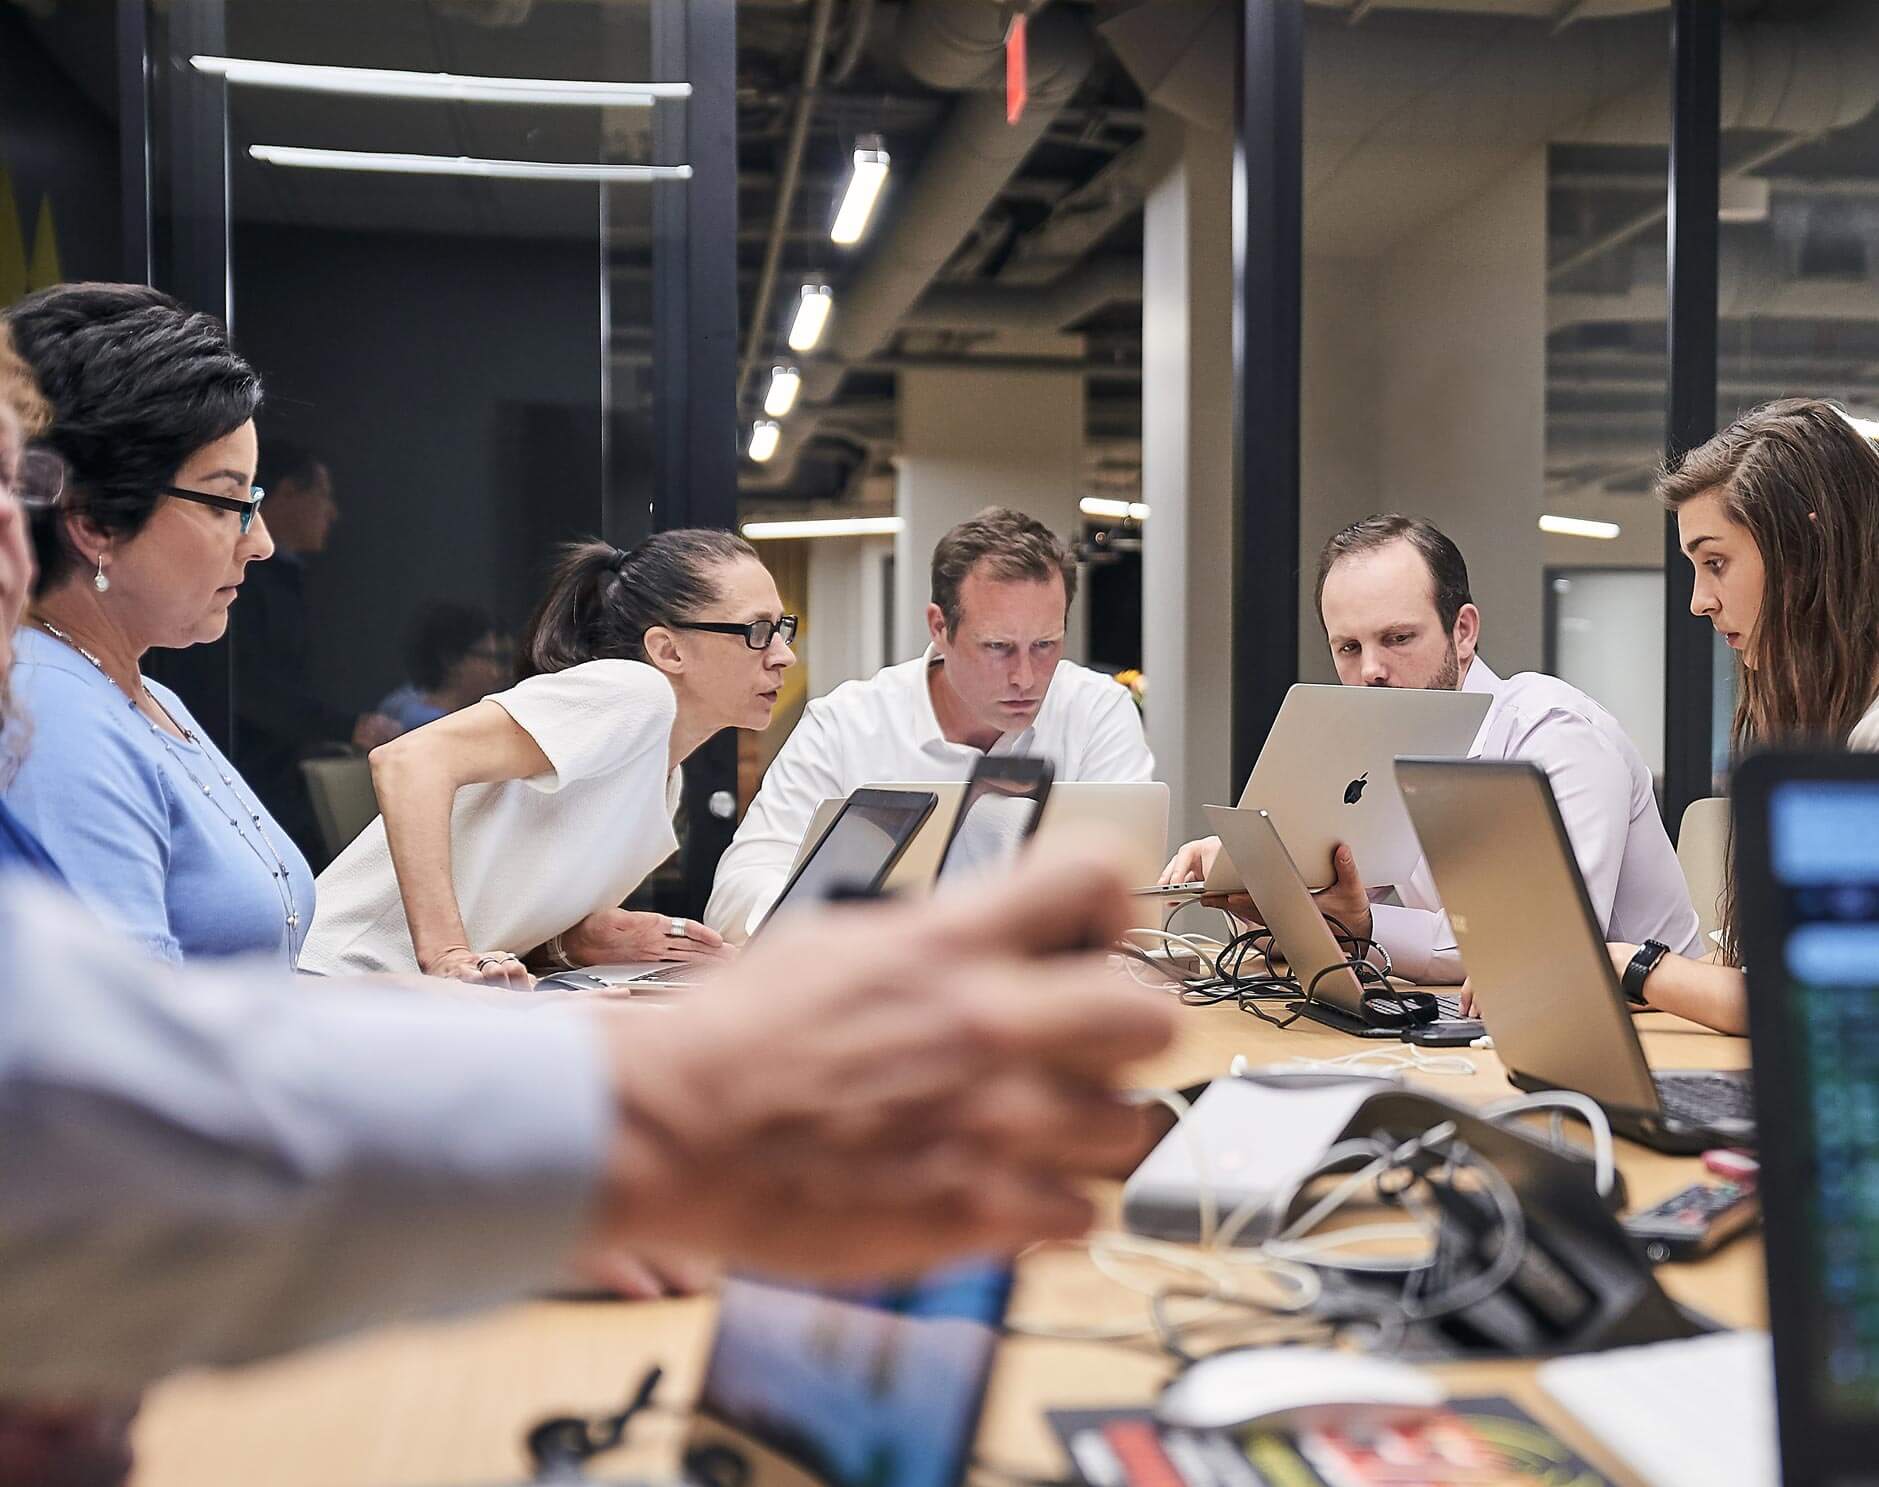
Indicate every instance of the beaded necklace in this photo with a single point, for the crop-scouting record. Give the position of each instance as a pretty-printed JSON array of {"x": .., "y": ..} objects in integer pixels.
[{"x": 283, "y": 879}]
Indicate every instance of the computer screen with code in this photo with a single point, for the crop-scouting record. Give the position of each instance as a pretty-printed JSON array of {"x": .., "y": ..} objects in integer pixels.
[{"x": 1823, "y": 837}]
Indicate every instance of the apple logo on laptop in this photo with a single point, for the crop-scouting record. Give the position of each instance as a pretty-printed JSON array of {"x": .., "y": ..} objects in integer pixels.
[{"x": 1354, "y": 791}]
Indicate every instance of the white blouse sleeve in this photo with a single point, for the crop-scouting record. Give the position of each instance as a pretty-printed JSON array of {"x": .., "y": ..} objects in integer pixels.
[{"x": 593, "y": 718}]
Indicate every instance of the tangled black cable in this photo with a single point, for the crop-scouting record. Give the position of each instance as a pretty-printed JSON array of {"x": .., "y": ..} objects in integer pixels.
[{"x": 1384, "y": 1004}]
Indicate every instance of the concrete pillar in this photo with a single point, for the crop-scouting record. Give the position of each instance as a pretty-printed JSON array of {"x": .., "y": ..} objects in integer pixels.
[
  {"x": 1425, "y": 392},
  {"x": 1187, "y": 467},
  {"x": 845, "y": 627},
  {"x": 971, "y": 439}
]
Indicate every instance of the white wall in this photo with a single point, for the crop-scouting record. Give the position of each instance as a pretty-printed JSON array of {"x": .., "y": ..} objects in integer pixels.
[
  {"x": 1611, "y": 644},
  {"x": 1338, "y": 446},
  {"x": 1425, "y": 392},
  {"x": 969, "y": 440},
  {"x": 847, "y": 608},
  {"x": 1187, "y": 467}
]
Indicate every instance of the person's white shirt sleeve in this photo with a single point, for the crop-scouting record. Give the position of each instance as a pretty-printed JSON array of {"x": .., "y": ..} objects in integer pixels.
[
  {"x": 807, "y": 770},
  {"x": 1591, "y": 783},
  {"x": 209, "y": 1167},
  {"x": 593, "y": 718},
  {"x": 1117, "y": 749}
]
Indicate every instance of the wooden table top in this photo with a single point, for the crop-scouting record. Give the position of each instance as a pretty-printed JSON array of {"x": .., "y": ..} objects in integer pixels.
[{"x": 423, "y": 1406}]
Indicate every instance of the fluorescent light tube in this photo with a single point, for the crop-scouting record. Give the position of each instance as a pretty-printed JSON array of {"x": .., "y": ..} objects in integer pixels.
[
  {"x": 812, "y": 316},
  {"x": 864, "y": 190},
  {"x": 764, "y": 437},
  {"x": 1105, "y": 509},
  {"x": 834, "y": 526},
  {"x": 377, "y": 82},
  {"x": 1573, "y": 526},
  {"x": 785, "y": 384},
  {"x": 462, "y": 165}
]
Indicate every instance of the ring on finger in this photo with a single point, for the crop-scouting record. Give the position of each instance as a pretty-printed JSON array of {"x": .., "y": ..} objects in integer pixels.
[{"x": 675, "y": 928}]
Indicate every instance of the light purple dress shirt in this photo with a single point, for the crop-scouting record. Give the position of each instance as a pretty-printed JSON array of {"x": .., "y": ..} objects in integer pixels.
[{"x": 1605, "y": 798}]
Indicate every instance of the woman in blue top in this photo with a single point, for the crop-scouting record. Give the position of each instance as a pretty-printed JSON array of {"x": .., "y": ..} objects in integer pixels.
[{"x": 145, "y": 545}]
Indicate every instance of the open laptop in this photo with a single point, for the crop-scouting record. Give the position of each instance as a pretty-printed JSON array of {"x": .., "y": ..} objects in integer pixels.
[
  {"x": 1133, "y": 814},
  {"x": 918, "y": 865},
  {"x": 1311, "y": 950},
  {"x": 823, "y": 1388},
  {"x": 1542, "y": 978},
  {"x": 856, "y": 853},
  {"x": 1324, "y": 773},
  {"x": 1699, "y": 1414}
]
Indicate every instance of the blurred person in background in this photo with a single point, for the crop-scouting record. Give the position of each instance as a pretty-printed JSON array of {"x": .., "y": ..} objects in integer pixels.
[
  {"x": 281, "y": 715},
  {"x": 455, "y": 655}
]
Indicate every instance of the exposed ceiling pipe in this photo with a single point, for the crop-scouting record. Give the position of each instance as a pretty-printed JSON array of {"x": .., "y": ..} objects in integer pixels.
[
  {"x": 958, "y": 45},
  {"x": 1561, "y": 13},
  {"x": 1084, "y": 217},
  {"x": 1384, "y": 100},
  {"x": 756, "y": 337},
  {"x": 1055, "y": 307},
  {"x": 1751, "y": 282},
  {"x": 854, "y": 40}
]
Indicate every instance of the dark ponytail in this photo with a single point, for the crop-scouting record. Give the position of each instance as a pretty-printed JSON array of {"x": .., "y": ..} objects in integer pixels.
[{"x": 601, "y": 601}]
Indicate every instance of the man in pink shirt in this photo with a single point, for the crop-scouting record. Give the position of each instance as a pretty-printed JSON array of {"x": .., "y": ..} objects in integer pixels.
[{"x": 1394, "y": 600}]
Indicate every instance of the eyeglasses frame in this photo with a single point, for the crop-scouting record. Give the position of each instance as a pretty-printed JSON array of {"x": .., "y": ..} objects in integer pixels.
[
  {"x": 786, "y": 626},
  {"x": 246, "y": 509}
]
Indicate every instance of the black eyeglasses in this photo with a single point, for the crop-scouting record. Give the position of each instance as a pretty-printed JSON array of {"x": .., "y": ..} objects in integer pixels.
[
  {"x": 757, "y": 634},
  {"x": 247, "y": 508}
]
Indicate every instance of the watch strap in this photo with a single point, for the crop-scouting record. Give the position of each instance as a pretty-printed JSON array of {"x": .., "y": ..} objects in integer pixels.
[{"x": 1642, "y": 964}]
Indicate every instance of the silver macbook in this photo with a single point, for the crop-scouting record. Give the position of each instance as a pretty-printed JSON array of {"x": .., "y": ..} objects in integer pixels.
[
  {"x": 1286, "y": 907},
  {"x": 1542, "y": 978},
  {"x": 1325, "y": 774}
]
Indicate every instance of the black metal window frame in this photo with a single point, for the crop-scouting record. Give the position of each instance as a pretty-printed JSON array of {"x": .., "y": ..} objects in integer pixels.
[
  {"x": 176, "y": 234},
  {"x": 1690, "y": 413},
  {"x": 1269, "y": 289},
  {"x": 1268, "y": 272}
]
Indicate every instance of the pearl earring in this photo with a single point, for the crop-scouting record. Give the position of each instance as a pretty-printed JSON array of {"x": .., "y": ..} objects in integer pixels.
[{"x": 101, "y": 583}]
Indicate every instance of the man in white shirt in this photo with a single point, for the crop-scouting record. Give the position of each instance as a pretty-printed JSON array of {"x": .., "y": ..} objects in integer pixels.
[
  {"x": 992, "y": 681},
  {"x": 1393, "y": 597}
]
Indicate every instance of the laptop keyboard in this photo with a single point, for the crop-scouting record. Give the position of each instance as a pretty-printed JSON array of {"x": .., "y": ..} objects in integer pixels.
[
  {"x": 1703, "y": 1099},
  {"x": 1447, "y": 1005},
  {"x": 679, "y": 973}
]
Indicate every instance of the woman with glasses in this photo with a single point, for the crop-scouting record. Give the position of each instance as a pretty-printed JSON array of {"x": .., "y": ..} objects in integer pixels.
[
  {"x": 144, "y": 521},
  {"x": 514, "y": 828}
]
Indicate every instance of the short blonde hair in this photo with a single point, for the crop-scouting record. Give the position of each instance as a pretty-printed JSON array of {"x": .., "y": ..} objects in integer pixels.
[{"x": 19, "y": 391}]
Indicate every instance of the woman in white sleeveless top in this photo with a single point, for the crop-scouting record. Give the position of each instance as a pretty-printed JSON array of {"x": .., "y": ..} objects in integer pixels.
[
  {"x": 1779, "y": 514},
  {"x": 513, "y": 829}
]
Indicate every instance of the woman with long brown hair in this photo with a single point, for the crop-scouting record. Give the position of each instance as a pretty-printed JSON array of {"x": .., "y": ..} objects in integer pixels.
[{"x": 1779, "y": 515}]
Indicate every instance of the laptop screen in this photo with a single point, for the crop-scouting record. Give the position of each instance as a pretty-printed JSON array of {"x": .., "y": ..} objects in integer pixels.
[
  {"x": 994, "y": 819},
  {"x": 1823, "y": 838},
  {"x": 878, "y": 1388},
  {"x": 859, "y": 849}
]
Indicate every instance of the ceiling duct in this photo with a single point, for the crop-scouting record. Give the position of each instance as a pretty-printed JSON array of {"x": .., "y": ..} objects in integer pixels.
[
  {"x": 1054, "y": 307},
  {"x": 1753, "y": 282},
  {"x": 1403, "y": 124},
  {"x": 959, "y": 46}
]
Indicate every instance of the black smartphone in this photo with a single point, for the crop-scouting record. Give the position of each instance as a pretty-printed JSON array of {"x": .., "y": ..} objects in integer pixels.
[
  {"x": 1002, "y": 805},
  {"x": 1450, "y": 1032}
]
